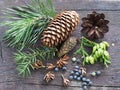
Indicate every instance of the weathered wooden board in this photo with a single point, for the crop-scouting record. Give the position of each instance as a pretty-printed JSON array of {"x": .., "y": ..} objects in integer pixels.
[
  {"x": 110, "y": 79},
  {"x": 86, "y": 5}
]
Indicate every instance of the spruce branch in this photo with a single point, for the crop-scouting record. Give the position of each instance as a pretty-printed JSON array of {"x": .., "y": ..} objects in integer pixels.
[{"x": 26, "y": 60}]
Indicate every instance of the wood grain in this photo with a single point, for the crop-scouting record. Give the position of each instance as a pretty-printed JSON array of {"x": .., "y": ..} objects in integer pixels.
[
  {"x": 110, "y": 78},
  {"x": 87, "y": 5}
]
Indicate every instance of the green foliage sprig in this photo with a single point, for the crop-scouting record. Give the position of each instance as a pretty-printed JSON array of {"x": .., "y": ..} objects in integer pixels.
[
  {"x": 99, "y": 52},
  {"x": 27, "y": 22},
  {"x": 26, "y": 60}
]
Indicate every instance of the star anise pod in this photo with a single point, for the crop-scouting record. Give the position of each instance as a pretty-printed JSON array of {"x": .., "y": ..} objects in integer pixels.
[
  {"x": 62, "y": 62},
  {"x": 94, "y": 25},
  {"x": 83, "y": 70},
  {"x": 38, "y": 64},
  {"x": 66, "y": 82},
  {"x": 50, "y": 66},
  {"x": 49, "y": 76}
]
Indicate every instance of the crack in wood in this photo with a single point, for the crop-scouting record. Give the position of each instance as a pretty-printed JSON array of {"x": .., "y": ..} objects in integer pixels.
[{"x": 10, "y": 81}]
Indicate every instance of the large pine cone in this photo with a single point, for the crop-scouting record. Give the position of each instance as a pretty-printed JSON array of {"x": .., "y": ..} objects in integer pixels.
[
  {"x": 94, "y": 25},
  {"x": 60, "y": 28}
]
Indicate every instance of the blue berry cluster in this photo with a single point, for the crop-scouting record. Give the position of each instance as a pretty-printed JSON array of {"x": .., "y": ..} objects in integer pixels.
[
  {"x": 76, "y": 74},
  {"x": 64, "y": 68}
]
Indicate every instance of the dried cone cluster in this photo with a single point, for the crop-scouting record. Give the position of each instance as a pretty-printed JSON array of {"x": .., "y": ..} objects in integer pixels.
[
  {"x": 66, "y": 82},
  {"x": 38, "y": 64},
  {"x": 83, "y": 71},
  {"x": 49, "y": 76},
  {"x": 94, "y": 25},
  {"x": 60, "y": 28},
  {"x": 62, "y": 62},
  {"x": 50, "y": 66},
  {"x": 68, "y": 45}
]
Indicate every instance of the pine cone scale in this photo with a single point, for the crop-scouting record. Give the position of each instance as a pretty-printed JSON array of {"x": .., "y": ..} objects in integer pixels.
[
  {"x": 66, "y": 19},
  {"x": 85, "y": 30},
  {"x": 67, "y": 25},
  {"x": 99, "y": 34},
  {"x": 68, "y": 22}
]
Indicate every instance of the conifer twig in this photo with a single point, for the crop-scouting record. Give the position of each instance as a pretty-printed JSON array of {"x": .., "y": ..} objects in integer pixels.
[{"x": 25, "y": 61}]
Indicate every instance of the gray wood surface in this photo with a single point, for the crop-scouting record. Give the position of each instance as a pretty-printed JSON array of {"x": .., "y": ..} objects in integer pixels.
[{"x": 110, "y": 78}]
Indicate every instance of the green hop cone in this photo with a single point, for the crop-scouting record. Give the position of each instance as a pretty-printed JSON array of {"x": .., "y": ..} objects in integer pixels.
[
  {"x": 100, "y": 52},
  {"x": 106, "y": 43},
  {"x": 91, "y": 60},
  {"x": 87, "y": 59},
  {"x": 94, "y": 49},
  {"x": 106, "y": 55},
  {"x": 97, "y": 54},
  {"x": 95, "y": 58},
  {"x": 97, "y": 46},
  {"x": 108, "y": 61},
  {"x": 102, "y": 46}
]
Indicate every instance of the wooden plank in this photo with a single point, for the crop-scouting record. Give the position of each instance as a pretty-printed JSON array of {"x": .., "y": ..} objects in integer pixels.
[
  {"x": 88, "y": 5},
  {"x": 109, "y": 80},
  {"x": 7, "y": 51},
  {"x": 1, "y": 51},
  {"x": 110, "y": 74},
  {"x": 74, "y": 4},
  {"x": 5, "y": 3},
  {"x": 25, "y": 86}
]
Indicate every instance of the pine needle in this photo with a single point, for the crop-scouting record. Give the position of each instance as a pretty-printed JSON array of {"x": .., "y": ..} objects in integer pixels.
[
  {"x": 27, "y": 22},
  {"x": 25, "y": 61}
]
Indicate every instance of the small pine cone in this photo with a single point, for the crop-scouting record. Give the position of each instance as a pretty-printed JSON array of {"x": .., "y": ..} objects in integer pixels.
[
  {"x": 66, "y": 82},
  {"x": 68, "y": 45},
  {"x": 50, "y": 66},
  {"x": 60, "y": 28},
  {"x": 49, "y": 76},
  {"x": 94, "y": 25},
  {"x": 83, "y": 71},
  {"x": 62, "y": 62},
  {"x": 38, "y": 64}
]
